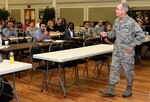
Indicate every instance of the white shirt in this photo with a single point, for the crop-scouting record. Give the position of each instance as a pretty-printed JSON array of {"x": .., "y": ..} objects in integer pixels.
[
  {"x": 37, "y": 25},
  {"x": 71, "y": 33}
]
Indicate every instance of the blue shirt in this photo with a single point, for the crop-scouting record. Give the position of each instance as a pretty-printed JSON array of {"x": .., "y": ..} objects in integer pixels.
[
  {"x": 37, "y": 34},
  {"x": 6, "y": 32}
]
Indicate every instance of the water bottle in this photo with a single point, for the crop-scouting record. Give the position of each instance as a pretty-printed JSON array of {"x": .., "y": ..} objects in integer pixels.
[
  {"x": 83, "y": 35},
  {"x": 11, "y": 57},
  {"x": 1, "y": 58},
  {"x": 0, "y": 41}
]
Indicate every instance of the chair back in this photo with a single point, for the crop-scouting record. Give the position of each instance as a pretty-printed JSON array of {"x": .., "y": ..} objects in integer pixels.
[
  {"x": 6, "y": 39},
  {"x": 24, "y": 40},
  {"x": 87, "y": 43},
  {"x": 66, "y": 45},
  {"x": 54, "y": 47},
  {"x": 35, "y": 49}
]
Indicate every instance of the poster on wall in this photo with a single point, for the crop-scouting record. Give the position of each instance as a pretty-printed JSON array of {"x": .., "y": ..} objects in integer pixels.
[
  {"x": 41, "y": 14},
  {"x": 142, "y": 16}
]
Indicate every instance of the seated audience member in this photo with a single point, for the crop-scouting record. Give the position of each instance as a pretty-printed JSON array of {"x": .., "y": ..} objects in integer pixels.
[
  {"x": 50, "y": 26},
  {"x": 24, "y": 27},
  {"x": 41, "y": 34},
  {"x": 138, "y": 48},
  {"x": 12, "y": 20},
  {"x": 38, "y": 23},
  {"x": 64, "y": 24},
  {"x": 58, "y": 26},
  {"x": 9, "y": 30},
  {"x": 1, "y": 26},
  {"x": 4, "y": 24},
  {"x": 99, "y": 27},
  {"x": 30, "y": 30},
  {"x": 107, "y": 28},
  {"x": 51, "y": 30},
  {"x": 87, "y": 30},
  {"x": 141, "y": 25},
  {"x": 69, "y": 32}
]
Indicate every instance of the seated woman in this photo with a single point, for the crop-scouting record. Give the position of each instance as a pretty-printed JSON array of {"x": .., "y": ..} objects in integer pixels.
[
  {"x": 24, "y": 27},
  {"x": 30, "y": 30},
  {"x": 50, "y": 26},
  {"x": 69, "y": 32},
  {"x": 52, "y": 31},
  {"x": 107, "y": 28}
]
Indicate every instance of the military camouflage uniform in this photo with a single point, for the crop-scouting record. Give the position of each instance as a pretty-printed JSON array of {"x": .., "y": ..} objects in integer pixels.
[
  {"x": 98, "y": 29},
  {"x": 87, "y": 32},
  {"x": 127, "y": 33}
]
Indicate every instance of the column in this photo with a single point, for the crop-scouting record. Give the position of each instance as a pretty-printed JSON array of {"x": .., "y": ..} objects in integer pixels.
[
  {"x": 54, "y": 4},
  {"x": 6, "y": 5},
  {"x": 55, "y": 7},
  {"x": 123, "y": 1}
]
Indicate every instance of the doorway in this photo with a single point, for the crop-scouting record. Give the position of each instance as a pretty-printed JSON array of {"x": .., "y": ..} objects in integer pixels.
[{"x": 29, "y": 14}]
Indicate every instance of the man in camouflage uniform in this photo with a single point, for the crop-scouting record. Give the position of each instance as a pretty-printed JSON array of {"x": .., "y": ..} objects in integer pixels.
[
  {"x": 87, "y": 30},
  {"x": 99, "y": 27},
  {"x": 128, "y": 34}
]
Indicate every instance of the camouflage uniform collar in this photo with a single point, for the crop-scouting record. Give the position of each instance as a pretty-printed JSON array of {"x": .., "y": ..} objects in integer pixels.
[{"x": 125, "y": 19}]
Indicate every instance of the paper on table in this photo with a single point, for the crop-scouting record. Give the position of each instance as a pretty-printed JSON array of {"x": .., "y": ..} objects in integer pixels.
[
  {"x": 59, "y": 41},
  {"x": 2, "y": 47},
  {"x": 48, "y": 40}
]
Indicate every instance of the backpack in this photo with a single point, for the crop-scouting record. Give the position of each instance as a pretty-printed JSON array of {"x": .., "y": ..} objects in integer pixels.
[{"x": 6, "y": 91}]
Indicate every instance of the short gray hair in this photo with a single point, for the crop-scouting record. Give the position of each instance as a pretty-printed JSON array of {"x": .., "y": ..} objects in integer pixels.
[{"x": 126, "y": 7}]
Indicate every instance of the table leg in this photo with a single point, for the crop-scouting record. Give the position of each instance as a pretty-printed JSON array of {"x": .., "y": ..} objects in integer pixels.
[
  {"x": 45, "y": 76},
  {"x": 61, "y": 83},
  {"x": 14, "y": 87},
  {"x": 1, "y": 86}
]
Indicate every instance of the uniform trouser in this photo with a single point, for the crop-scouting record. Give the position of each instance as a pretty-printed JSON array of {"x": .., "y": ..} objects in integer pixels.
[{"x": 122, "y": 59}]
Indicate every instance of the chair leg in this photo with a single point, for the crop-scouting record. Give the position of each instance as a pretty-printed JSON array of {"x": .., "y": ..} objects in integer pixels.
[
  {"x": 101, "y": 68},
  {"x": 96, "y": 68},
  {"x": 31, "y": 77},
  {"x": 87, "y": 72},
  {"x": 50, "y": 76},
  {"x": 73, "y": 71},
  {"x": 108, "y": 67},
  {"x": 146, "y": 52},
  {"x": 139, "y": 59},
  {"x": 86, "y": 69},
  {"x": 76, "y": 75}
]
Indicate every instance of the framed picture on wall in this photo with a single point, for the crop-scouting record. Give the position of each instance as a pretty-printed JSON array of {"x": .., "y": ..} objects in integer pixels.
[
  {"x": 41, "y": 14},
  {"x": 143, "y": 16}
]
